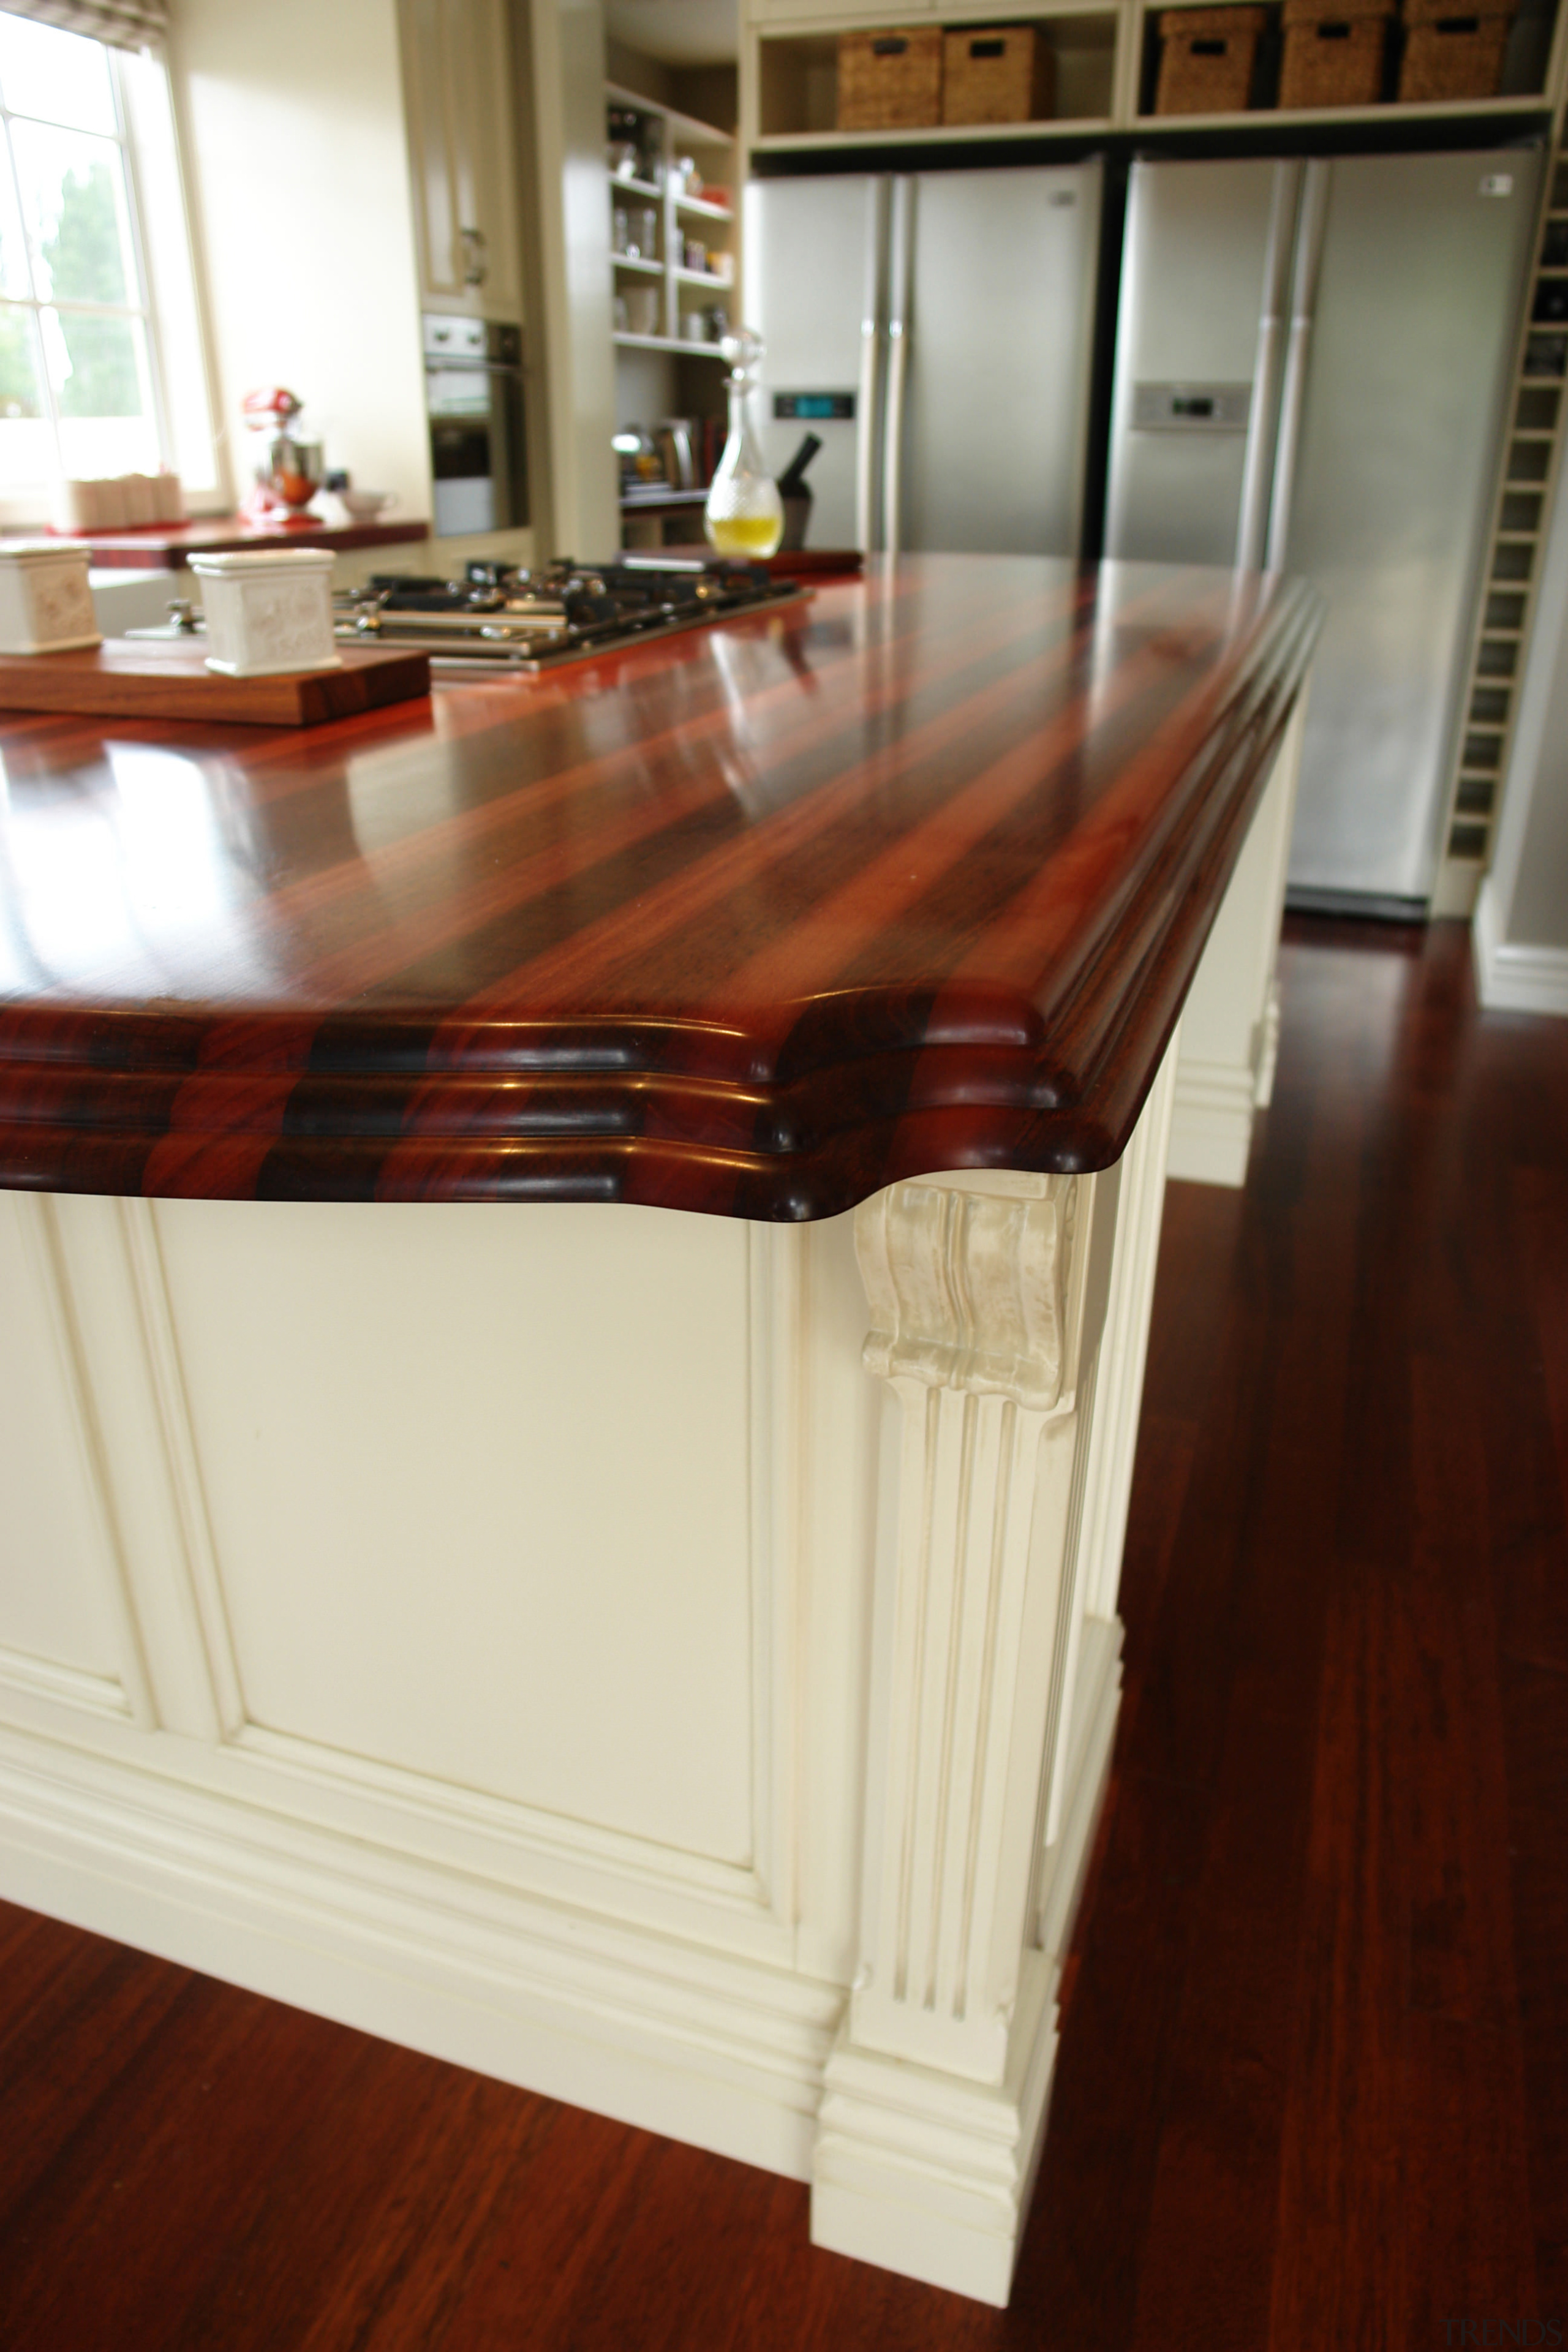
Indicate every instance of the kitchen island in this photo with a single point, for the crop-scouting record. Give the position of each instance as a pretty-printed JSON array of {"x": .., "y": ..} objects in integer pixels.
[{"x": 577, "y": 1259}]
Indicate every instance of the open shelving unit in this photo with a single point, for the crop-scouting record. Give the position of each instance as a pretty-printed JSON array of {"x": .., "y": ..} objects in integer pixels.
[
  {"x": 1532, "y": 463},
  {"x": 679, "y": 222},
  {"x": 664, "y": 370},
  {"x": 1105, "y": 65},
  {"x": 794, "y": 85}
]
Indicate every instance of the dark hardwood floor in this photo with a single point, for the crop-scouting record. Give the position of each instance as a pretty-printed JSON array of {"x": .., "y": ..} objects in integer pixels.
[{"x": 1313, "y": 2087}]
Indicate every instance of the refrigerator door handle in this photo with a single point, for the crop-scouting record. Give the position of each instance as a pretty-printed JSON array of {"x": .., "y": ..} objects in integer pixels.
[
  {"x": 867, "y": 439},
  {"x": 1268, "y": 367},
  {"x": 865, "y": 454},
  {"x": 1309, "y": 230},
  {"x": 901, "y": 256}
]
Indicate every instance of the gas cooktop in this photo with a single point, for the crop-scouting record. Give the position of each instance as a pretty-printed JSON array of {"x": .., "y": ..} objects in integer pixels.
[{"x": 495, "y": 617}]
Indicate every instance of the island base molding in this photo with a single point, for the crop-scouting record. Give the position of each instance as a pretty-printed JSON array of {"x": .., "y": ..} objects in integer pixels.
[
  {"x": 567, "y": 1642},
  {"x": 1230, "y": 1023}
]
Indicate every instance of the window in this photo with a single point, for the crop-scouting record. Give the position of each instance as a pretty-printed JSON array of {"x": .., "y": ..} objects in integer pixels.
[{"x": 100, "y": 359}]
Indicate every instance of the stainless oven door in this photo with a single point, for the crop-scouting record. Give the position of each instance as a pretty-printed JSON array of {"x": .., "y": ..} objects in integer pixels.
[{"x": 476, "y": 449}]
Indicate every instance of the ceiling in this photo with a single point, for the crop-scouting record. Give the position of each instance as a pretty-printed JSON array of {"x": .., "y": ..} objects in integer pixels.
[{"x": 679, "y": 32}]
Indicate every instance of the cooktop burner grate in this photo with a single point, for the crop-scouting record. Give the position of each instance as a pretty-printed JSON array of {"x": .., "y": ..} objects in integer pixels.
[{"x": 495, "y": 617}]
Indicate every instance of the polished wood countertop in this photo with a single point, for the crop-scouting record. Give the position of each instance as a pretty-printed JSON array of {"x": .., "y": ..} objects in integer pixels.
[
  {"x": 169, "y": 547},
  {"x": 912, "y": 875}
]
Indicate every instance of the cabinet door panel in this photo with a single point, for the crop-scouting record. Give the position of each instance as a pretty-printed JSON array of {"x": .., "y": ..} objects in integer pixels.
[
  {"x": 56, "y": 1574},
  {"x": 478, "y": 1487},
  {"x": 457, "y": 96}
]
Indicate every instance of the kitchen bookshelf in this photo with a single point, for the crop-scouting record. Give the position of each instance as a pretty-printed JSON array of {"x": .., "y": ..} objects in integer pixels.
[
  {"x": 667, "y": 372},
  {"x": 1105, "y": 60}
]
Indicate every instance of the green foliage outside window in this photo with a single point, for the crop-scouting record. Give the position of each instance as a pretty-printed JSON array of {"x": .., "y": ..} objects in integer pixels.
[
  {"x": 86, "y": 265},
  {"x": 19, "y": 376}
]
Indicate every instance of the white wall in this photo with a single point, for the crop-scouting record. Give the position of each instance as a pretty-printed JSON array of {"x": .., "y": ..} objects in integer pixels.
[{"x": 298, "y": 170}]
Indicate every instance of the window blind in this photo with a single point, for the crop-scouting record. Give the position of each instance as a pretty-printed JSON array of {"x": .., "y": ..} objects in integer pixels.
[{"x": 127, "y": 24}]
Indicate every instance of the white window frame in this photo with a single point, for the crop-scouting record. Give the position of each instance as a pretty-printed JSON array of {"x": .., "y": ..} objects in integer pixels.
[{"x": 32, "y": 503}]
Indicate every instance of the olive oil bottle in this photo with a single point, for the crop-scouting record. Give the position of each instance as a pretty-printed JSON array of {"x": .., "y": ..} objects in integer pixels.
[{"x": 744, "y": 513}]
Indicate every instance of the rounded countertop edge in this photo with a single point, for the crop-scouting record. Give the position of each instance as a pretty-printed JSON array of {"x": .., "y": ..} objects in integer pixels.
[{"x": 127, "y": 1101}]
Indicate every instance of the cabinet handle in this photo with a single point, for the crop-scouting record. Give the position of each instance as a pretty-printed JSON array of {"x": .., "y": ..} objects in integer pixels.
[{"x": 476, "y": 266}]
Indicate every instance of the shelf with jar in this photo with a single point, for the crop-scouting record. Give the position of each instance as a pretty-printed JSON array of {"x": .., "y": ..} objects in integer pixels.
[
  {"x": 674, "y": 265},
  {"x": 672, "y": 226}
]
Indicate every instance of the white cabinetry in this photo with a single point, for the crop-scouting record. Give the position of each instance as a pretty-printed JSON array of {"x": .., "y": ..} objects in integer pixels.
[{"x": 457, "y": 87}]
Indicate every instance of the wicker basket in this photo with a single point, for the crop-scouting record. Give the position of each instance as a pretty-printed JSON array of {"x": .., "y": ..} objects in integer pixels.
[
  {"x": 1451, "y": 52},
  {"x": 1334, "y": 52},
  {"x": 891, "y": 80},
  {"x": 1205, "y": 59},
  {"x": 1001, "y": 74}
]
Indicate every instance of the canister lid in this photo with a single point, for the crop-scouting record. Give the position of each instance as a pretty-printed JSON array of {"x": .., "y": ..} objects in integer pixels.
[
  {"x": 280, "y": 559},
  {"x": 43, "y": 551}
]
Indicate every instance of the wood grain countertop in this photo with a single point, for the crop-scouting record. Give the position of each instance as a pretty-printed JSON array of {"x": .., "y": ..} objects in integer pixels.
[{"x": 750, "y": 921}]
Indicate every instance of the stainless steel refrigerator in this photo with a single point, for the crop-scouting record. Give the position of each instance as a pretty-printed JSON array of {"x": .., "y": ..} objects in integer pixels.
[
  {"x": 1312, "y": 359},
  {"x": 935, "y": 330}
]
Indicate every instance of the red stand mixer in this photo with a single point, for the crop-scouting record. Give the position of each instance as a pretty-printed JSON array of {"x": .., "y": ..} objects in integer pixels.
[{"x": 288, "y": 464}]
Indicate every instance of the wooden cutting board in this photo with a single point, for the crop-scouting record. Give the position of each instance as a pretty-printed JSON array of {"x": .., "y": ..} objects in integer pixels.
[{"x": 167, "y": 677}]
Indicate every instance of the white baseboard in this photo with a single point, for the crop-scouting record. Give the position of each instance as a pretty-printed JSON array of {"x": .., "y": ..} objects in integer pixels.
[
  {"x": 1211, "y": 1126},
  {"x": 723, "y": 2053},
  {"x": 1510, "y": 978}
]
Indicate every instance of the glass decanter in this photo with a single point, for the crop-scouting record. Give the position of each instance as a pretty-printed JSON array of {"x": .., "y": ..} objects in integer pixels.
[{"x": 744, "y": 513}]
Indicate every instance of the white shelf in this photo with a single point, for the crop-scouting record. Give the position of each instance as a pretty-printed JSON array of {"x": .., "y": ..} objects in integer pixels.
[
  {"x": 629, "y": 342},
  {"x": 631, "y": 261},
  {"x": 686, "y": 130},
  {"x": 1390, "y": 111},
  {"x": 704, "y": 277},
  {"x": 683, "y": 126},
  {"x": 635, "y": 187},
  {"x": 938, "y": 134},
  {"x": 703, "y": 209}
]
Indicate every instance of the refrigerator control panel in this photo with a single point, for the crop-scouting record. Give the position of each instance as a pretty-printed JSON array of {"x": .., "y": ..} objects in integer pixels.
[
  {"x": 813, "y": 406},
  {"x": 1191, "y": 407}
]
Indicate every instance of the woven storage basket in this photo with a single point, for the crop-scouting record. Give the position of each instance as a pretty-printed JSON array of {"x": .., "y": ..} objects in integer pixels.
[
  {"x": 1205, "y": 59},
  {"x": 1451, "y": 51},
  {"x": 891, "y": 80},
  {"x": 1334, "y": 53},
  {"x": 1004, "y": 73}
]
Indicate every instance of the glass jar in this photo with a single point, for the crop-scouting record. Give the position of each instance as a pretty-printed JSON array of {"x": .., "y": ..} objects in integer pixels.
[{"x": 744, "y": 514}]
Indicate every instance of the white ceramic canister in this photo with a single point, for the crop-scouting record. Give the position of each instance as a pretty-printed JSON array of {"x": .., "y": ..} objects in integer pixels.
[
  {"x": 113, "y": 507},
  {"x": 141, "y": 498},
  {"x": 268, "y": 612},
  {"x": 45, "y": 604},
  {"x": 77, "y": 505}
]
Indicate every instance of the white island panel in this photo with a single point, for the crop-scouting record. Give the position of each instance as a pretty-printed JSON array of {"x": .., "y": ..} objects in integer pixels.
[{"x": 469, "y": 1505}]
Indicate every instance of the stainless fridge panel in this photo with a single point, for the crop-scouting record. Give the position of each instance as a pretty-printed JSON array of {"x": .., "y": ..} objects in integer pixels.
[
  {"x": 1195, "y": 270},
  {"x": 998, "y": 334},
  {"x": 814, "y": 267},
  {"x": 1421, "y": 278}
]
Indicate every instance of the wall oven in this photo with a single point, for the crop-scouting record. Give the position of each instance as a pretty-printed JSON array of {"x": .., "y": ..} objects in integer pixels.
[{"x": 473, "y": 397}]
